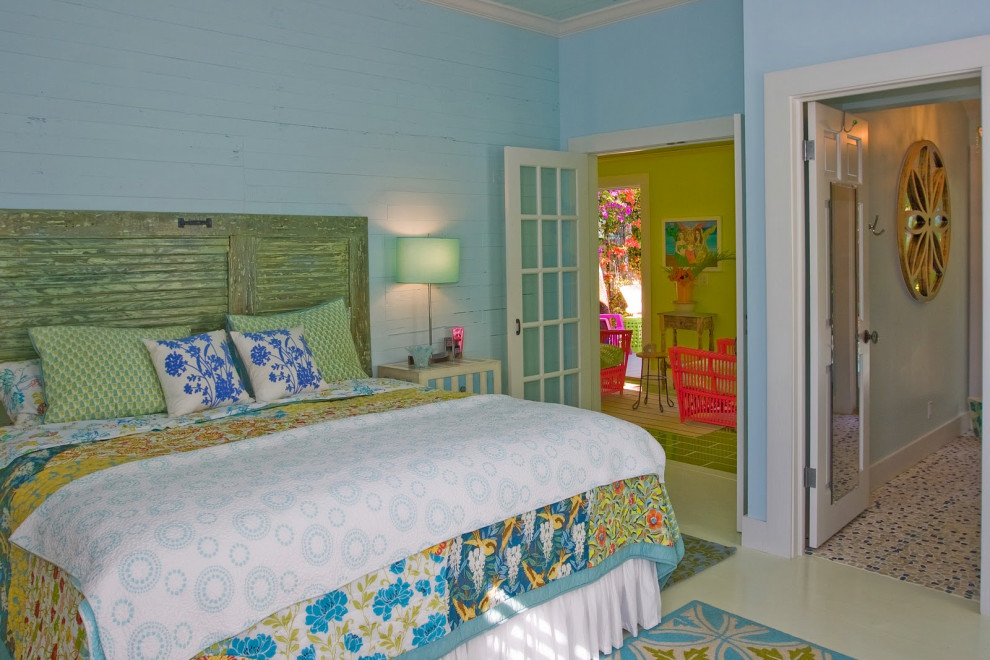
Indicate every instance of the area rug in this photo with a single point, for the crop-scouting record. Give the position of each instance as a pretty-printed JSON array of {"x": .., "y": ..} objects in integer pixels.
[
  {"x": 699, "y": 554},
  {"x": 699, "y": 631},
  {"x": 922, "y": 526}
]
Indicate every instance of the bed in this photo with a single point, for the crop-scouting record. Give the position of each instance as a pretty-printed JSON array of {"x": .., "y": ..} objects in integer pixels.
[{"x": 362, "y": 520}]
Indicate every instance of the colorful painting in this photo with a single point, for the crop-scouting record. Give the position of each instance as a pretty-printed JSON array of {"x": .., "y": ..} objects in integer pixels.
[{"x": 688, "y": 240}]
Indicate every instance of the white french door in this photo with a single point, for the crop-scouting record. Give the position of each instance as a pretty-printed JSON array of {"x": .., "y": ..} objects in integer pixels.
[
  {"x": 551, "y": 286},
  {"x": 838, "y": 316}
]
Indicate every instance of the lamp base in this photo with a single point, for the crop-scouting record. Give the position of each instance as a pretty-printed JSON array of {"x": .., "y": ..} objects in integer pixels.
[{"x": 436, "y": 357}]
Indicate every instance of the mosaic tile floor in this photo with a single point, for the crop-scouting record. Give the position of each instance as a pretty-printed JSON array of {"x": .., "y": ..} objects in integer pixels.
[{"x": 923, "y": 526}]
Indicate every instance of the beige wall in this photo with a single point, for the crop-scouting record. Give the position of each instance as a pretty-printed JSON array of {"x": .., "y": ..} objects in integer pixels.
[{"x": 923, "y": 353}]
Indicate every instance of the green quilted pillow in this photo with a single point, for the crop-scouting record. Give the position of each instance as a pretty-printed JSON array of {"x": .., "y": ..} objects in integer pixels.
[
  {"x": 327, "y": 329},
  {"x": 99, "y": 373},
  {"x": 611, "y": 356}
]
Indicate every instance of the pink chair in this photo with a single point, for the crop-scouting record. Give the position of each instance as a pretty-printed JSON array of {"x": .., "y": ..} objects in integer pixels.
[
  {"x": 614, "y": 321},
  {"x": 727, "y": 346},
  {"x": 614, "y": 378},
  {"x": 705, "y": 384}
]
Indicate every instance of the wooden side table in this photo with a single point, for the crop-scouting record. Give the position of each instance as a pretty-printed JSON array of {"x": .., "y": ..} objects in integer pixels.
[
  {"x": 476, "y": 375},
  {"x": 686, "y": 321}
]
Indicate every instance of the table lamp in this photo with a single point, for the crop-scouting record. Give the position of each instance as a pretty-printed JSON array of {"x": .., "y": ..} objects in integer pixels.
[{"x": 428, "y": 261}]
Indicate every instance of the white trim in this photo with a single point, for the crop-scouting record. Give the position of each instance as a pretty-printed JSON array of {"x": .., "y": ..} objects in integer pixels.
[
  {"x": 975, "y": 340},
  {"x": 739, "y": 167},
  {"x": 784, "y": 94},
  {"x": 503, "y": 14},
  {"x": 755, "y": 533},
  {"x": 558, "y": 28},
  {"x": 614, "y": 14},
  {"x": 907, "y": 457},
  {"x": 654, "y": 137},
  {"x": 591, "y": 384}
]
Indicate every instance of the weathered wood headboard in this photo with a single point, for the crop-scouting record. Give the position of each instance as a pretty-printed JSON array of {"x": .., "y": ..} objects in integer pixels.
[{"x": 127, "y": 269}]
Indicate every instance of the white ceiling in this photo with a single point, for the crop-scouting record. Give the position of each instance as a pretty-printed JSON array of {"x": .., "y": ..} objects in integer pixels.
[{"x": 559, "y": 17}]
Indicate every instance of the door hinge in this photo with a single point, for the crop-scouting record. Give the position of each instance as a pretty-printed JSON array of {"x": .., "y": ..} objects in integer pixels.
[
  {"x": 810, "y": 478},
  {"x": 808, "y": 149}
]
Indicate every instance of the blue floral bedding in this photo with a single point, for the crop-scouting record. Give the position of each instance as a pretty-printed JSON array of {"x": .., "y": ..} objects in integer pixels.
[{"x": 416, "y": 601}]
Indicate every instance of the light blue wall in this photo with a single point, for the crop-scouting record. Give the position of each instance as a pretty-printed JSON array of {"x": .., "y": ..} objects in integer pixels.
[
  {"x": 393, "y": 109},
  {"x": 681, "y": 64},
  {"x": 785, "y": 35}
]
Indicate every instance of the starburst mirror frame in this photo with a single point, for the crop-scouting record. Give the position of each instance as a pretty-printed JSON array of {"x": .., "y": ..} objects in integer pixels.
[{"x": 923, "y": 215}]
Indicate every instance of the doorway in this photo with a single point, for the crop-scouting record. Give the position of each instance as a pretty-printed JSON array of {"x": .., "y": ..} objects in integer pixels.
[
  {"x": 782, "y": 531},
  {"x": 680, "y": 186},
  {"x": 706, "y": 131},
  {"x": 914, "y": 356}
]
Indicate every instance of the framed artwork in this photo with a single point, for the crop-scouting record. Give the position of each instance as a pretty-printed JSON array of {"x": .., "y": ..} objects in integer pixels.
[{"x": 688, "y": 240}]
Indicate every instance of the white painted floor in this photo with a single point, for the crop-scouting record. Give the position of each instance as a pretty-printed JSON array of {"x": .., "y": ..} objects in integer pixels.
[{"x": 867, "y": 616}]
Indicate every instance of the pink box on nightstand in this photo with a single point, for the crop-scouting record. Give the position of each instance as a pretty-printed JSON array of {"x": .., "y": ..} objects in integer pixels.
[{"x": 455, "y": 342}]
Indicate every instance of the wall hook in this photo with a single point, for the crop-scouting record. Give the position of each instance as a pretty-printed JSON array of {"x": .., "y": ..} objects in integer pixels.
[
  {"x": 851, "y": 126},
  {"x": 876, "y": 223}
]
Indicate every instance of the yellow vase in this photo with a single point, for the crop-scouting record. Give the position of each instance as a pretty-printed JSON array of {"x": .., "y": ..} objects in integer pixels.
[{"x": 685, "y": 291}]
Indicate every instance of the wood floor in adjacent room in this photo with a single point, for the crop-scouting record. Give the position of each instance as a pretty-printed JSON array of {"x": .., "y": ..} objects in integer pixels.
[{"x": 691, "y": 442}]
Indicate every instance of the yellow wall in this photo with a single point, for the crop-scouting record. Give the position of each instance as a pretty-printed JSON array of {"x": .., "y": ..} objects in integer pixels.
[{"x": 687, "y": 182}]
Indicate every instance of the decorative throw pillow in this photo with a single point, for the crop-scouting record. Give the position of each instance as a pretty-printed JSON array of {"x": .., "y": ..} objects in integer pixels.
[
  {"x": 328, "y": 333},
  {"x": 611, "y": 356},
  {"x": 196, "y": 372},
  {"x": 97, "y": 372},
  {"x": 278, "y": 362},
  {"x": 22, "y": 392}
]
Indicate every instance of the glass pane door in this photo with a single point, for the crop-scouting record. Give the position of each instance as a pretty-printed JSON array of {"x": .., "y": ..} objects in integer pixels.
[{"x": 543, "y": 258}]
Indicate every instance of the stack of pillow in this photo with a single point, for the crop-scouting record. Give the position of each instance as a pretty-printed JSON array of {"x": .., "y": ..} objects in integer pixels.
[{"x": 107, "y": 373}]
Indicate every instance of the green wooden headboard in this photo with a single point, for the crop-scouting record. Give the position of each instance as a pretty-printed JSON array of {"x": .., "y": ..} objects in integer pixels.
[{"x": 128, "y": 269}]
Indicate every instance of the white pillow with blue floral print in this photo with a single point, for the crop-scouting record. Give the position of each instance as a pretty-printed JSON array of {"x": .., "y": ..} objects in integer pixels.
[
  {"x": 278, "y": 362},
  {"x": 22, "y": 392},
  {"x": 196, "y": 373}
]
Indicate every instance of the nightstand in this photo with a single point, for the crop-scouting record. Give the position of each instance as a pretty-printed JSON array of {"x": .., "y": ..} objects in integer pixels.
[{"x": 480, "y": 376}]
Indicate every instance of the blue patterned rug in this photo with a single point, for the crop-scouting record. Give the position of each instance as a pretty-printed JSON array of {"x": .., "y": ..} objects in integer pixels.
[
  {"x": 699, "y": 554},
  {"x": 699, "y": 631}
]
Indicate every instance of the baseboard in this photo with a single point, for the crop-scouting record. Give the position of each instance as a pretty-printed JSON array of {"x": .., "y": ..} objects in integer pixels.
[
  {"x": 700, "y": 469},
  {"x": 759, "y": 535},
  {"x": 887, "y": 468}
]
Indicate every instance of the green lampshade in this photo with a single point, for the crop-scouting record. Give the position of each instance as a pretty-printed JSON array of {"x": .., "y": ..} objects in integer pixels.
[{"x": 428, "y": 260}]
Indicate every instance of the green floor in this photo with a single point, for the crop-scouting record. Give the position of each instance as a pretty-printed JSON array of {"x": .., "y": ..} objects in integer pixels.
[{"x": 716, "y": 450}]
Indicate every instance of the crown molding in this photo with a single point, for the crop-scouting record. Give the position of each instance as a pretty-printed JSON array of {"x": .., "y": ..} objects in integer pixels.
[
  {"x": 529, "y": 21},
  {"x": 614, "y": 14},
  {"x": 503, "y": 14}
]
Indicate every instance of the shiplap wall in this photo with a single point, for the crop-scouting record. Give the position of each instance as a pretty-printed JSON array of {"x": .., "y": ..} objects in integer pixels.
[{"x": 392, "y": 109}]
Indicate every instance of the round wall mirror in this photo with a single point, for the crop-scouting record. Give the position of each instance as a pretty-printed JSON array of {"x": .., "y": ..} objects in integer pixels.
[{"x": 923, "y": 214}]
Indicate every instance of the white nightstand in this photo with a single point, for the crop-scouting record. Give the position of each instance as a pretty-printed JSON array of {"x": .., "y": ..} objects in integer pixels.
[{"x": 476, "y": 375}]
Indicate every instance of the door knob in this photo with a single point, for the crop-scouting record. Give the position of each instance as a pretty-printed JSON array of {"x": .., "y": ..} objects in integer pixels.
[{"x": 870, "y": 336}]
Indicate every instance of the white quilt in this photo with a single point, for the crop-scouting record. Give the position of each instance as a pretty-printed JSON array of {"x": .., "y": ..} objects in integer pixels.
[{"x": 177, "y": 552}]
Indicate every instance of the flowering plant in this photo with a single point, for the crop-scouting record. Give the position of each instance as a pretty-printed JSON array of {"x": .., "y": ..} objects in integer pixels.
[
  {"x": 678, "y": 274},
  {"x": 690, "y": 272},
  {"x": 619, "y": 237}
]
